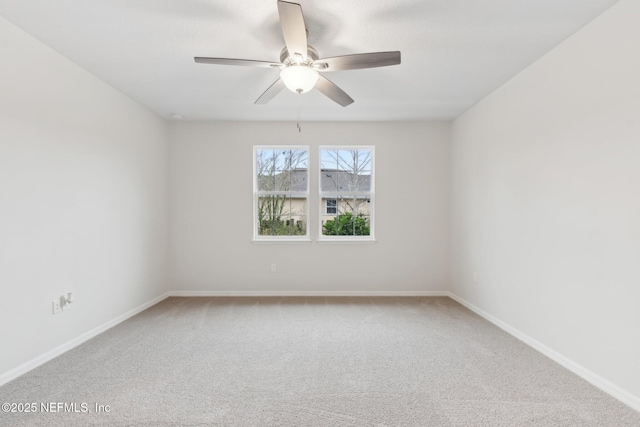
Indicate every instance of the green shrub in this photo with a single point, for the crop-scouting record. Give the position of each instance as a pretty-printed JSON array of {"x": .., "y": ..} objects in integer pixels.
[{"x": 346, "y": 225}]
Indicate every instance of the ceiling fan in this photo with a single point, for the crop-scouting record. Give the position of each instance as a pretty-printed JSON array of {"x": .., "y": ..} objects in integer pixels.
[{"x": 300, "y": 65}]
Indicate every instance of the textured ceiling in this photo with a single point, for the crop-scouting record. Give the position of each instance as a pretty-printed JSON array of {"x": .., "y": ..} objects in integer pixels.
[{"x": 454, "y": 52}]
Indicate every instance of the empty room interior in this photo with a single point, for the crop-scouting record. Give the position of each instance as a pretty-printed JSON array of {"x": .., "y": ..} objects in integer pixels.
[{"x": 399, "y": 212}]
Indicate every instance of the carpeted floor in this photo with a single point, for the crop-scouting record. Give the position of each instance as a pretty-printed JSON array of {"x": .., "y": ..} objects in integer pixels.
[{"x": 309, "y": 362}]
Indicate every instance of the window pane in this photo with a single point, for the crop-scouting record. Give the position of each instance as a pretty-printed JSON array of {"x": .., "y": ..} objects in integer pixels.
[
  {"x": 281, "y": 170},
  {"x": 346, "y": 224},
  {"x": 354, "y": 160},
  {"x": 354, "y": 205},
  {"x": 282, "y": 216},
  {"x": 345, "y": 170},
  {"x": 346, "y": 216}
]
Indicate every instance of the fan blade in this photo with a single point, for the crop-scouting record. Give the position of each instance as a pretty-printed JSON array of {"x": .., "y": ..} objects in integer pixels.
[
  {"x": 293, "y": 28},
  {"x": 333, "y": 92},
  {"x": 271, "y": 92},
  {"x": 243, "y": 62},
  {"x": 359, "y": 60}
]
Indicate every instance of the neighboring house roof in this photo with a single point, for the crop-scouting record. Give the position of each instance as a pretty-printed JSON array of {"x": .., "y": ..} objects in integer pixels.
[
  {"x": 331, "y": 180},
  {"x": 338, "y": 180}
]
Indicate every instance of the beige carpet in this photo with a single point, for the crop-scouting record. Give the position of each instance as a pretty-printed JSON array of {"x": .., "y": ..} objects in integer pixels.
[{"x": 310, "y": 362}]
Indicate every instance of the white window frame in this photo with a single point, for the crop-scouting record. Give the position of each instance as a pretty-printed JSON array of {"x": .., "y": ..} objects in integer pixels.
[
  {"x": 256, "y": 195},
  {"x": 370, "y": 195}
]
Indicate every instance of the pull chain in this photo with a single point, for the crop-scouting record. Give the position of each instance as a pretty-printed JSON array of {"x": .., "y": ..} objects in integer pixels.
[{"x": 299, "y": 107}]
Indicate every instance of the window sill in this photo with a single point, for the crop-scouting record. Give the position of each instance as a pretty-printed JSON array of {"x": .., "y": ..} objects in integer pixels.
[
  {"x": 347, "y": 241},
  {"x": 281, "y": 241},
  {"x": 319, "y": 241}
]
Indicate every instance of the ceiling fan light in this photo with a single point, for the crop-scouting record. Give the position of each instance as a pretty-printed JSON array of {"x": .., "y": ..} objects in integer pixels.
[{"x": 299, "y": 78}]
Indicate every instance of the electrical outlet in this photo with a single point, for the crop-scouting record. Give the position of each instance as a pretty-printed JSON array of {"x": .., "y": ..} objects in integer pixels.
[
  {"x": 475, "y": 277},
  {"x": 56, "y": 306},
  {"x": 273, "y": 268}
]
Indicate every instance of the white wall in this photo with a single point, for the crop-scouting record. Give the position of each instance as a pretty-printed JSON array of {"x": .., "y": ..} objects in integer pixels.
[
  {"x": 546, "y": 201},
  {"x": 83, "y": 173},
  {"x": 211, "y": 211}
]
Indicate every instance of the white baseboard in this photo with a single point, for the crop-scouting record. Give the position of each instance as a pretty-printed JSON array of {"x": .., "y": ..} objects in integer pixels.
[
  {"x": 57, "y": 351},
  {"x": 603, "y": 384},
  {"x": 308, "y": 293}
]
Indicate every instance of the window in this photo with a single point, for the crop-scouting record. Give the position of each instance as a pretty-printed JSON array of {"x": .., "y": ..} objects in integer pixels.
[
  {"x": 332, "y": 207},
  {"x": 281, "y": 192},
  {"x": 346, "y": 190}
]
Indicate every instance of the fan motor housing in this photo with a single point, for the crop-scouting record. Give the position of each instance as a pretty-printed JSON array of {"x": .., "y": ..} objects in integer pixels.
[{"x": 312, "y": 54}]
